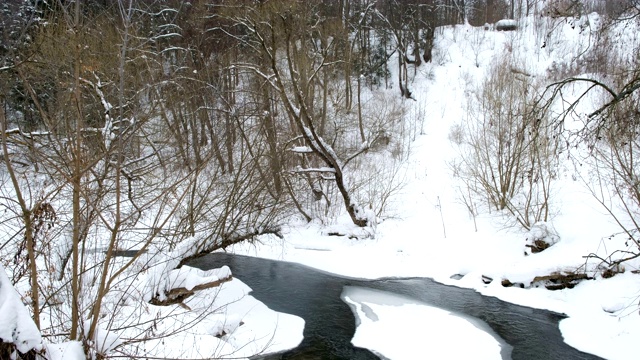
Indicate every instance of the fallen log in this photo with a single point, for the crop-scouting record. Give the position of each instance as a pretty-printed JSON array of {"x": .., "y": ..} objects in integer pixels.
[{"x": 178, "y": 295}]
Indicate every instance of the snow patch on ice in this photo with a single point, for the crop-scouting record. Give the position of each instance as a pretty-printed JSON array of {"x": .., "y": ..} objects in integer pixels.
[{"x": 397, "y": 327}]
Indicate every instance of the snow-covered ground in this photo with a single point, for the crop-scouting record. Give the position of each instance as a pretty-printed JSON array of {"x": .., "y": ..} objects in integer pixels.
[
  {"x": 434, "y": 235},
  {"x": 222, "y": 322},
  {"x": 219, "y": 322}
]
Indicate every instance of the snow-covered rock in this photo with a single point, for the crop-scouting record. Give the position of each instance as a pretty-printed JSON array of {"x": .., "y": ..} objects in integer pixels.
[
  {"x": 506, "y": 25},
  {"x": 540, "y": 237}
]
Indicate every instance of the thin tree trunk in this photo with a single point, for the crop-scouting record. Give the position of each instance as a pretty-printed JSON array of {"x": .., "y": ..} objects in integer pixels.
[
  {"x": 103, "y": 287},
  {"x": 416, "y": 49},
  {"x": 272, "y": 141},
  {"x": 360, "y": 122},
  {"x": 26, "y": 218},
  {"x": 229, "y": 131},
  {"x": 76, "y": 285}
]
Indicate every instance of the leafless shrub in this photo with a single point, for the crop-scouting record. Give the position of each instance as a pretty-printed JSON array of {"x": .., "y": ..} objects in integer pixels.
[
  {"x": 477, "y": 38},
  {"x": 456, "y": 134},
  {"x": 507, "y": 151}
]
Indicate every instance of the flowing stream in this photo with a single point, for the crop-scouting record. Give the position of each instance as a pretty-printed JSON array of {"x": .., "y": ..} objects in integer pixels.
[{"x": 313, "y": 295}]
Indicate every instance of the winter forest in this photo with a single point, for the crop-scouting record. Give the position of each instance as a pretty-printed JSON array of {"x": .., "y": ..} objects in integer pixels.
[{"x": 486, "y": 144}]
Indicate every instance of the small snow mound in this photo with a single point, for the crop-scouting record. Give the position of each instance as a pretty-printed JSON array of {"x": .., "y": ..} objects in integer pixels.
[
  {"x": 106, "y": 340},
  {"x": 540, "y": 237},
  {"x": 506, "y": 25},
  {"x": 351, "y": 231},
  {"x": 613, "y": 306},
  {"x": 223, "y": 324},
  {"x": 16, "y": 325},
  {"x": 70, "y": 350}
]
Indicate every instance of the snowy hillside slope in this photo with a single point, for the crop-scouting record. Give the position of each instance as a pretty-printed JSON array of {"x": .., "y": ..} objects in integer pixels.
[{"x": 435, "y": 235}]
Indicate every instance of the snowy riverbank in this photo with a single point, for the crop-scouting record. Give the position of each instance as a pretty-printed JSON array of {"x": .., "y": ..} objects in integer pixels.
[{"x": 433, "y": 234}]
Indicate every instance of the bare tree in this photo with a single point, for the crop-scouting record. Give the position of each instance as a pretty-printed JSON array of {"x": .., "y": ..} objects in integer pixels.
[{"x": 293, "y": 67}]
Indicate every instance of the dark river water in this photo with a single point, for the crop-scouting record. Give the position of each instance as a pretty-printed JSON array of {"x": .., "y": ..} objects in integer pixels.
[{"x": 330, "y": 324}]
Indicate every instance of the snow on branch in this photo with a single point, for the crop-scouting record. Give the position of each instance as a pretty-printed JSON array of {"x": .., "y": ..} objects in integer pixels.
[
  {"x": 172, "y": 48},
  {"x": 161, "y": 12},
  {"x": 301, "y": 149},
  {"x": 301, "y": 170},
  {"x": 327, "y": 149},
  {"x": 97, "y": 88},
  {"x": 162, "y": 36},
  {"x": 257, "y": 71},
  {"x": 26, "y": 135},
  {"x": 107, "y": 130},
  {"x": 183, "y": 282}
]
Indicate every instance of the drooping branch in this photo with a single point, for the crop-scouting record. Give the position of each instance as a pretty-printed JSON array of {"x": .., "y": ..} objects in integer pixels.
[{"x": 554, "y": 90}]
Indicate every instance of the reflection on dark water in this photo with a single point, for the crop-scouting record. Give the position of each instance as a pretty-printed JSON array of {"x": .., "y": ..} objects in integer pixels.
[{"x": 330, "y": 324}]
